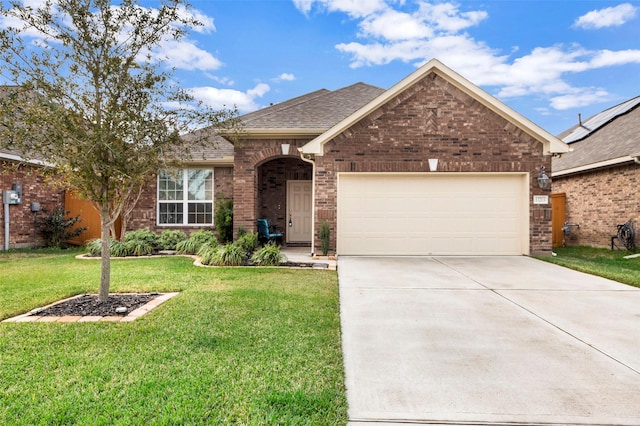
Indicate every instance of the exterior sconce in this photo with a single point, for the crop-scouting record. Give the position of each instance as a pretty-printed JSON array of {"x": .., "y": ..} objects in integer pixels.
[
  {"x": 433, "y": 164},
  {"x": 543, "y": 180},
  {"x": 285, "y": 148}
]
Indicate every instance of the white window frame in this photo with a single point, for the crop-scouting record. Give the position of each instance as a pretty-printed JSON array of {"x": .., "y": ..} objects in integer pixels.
[{"x": 185, "y": 199}]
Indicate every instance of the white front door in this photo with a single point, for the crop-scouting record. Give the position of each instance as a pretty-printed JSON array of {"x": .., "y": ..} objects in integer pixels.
[{"x": 299, "y": 211}]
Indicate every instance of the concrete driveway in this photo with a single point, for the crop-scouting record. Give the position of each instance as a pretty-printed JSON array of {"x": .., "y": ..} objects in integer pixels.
[{"x": 487, "y": 340}]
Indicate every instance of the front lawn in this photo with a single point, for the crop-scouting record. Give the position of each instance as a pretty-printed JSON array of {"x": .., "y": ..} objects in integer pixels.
[
  {"x": 602, "y": 262},
  {"x": 237, "y": 346}
]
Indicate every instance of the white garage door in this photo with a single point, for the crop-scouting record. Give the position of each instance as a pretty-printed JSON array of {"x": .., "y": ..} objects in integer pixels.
[{"x": 433, "y": 214}]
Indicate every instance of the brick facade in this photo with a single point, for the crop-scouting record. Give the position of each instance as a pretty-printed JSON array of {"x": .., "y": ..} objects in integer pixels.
[
  {"x": 432, "y": 119},
  {"x": 22, "y": 232},
  {"x": 599, "y": 200},
  {"x": 144, "y": 214}
]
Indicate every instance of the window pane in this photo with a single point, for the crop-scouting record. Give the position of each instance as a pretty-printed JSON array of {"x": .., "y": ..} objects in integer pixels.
[
  {"x": 170, "y": 186},
  {"x": 200, "y": 185},
  {"x": 201, "y": 213},
  {"x": 171, "y": 213}
]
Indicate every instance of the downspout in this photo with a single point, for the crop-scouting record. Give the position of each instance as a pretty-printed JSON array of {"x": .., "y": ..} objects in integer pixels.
[{"x": 309, "y": 159}]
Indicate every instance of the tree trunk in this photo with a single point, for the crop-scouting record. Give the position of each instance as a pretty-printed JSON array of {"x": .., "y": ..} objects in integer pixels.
[{"x": 105, "y": 266}]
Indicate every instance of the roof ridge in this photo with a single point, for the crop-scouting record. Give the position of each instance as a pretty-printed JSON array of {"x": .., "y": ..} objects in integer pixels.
[{"x": 289, "y": 103}]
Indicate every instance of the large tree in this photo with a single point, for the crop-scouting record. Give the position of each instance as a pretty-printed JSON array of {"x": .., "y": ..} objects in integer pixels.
[{"x": 93, "y": 99}]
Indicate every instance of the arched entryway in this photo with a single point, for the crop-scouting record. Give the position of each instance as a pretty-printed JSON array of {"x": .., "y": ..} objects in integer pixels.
[{"x": 284, "y": 197}]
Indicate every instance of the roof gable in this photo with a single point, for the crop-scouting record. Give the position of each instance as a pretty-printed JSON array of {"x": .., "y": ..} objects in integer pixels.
[{"x": 551, "y": 143}]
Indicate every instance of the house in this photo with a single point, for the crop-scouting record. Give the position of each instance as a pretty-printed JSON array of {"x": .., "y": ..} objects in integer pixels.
[
  {"x": 37, "y": 196},
  {"x": 433, "y": 165},
  {"x": 597, "y": 182}
]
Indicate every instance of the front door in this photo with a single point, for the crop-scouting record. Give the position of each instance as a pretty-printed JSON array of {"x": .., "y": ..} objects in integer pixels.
[{"x": 299, "y": 211}]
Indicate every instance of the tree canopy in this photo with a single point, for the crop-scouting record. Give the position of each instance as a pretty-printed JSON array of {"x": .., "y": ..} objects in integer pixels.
[{"x": 91, "y": 97}]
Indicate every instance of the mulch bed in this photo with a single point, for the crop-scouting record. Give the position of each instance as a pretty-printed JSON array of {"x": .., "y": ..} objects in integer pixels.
[{"x": 88, "y": 305}]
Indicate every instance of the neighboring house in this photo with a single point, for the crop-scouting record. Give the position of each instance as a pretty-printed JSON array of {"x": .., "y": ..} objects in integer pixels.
[
  {"x": 600, "y": 177},
  {"x": 36, "y": 194},
  {"x": 363, "y": 159}
]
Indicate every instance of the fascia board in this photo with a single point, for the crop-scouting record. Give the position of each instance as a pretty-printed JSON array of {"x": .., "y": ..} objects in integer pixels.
[
  {"x": 593, "y": 166},
  {"x": 274, "y": 133},
  {"x": 14, "y": 157},
  {"x": 551, "y": 143}
]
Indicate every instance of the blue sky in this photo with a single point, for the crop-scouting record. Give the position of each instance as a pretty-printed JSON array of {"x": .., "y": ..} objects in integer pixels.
[{"x": 547, "y": 59}]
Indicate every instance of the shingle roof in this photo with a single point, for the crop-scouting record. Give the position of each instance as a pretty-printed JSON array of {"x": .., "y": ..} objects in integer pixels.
[
  {"x": 216, "y": 148},
  {"x": 317, "y": 110},
  {"x": 592, "y": 124},
  {"x": 614, "y": 140}
]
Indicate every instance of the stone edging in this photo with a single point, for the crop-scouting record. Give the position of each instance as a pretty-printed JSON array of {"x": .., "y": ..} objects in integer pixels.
[{"x": 132, "y": 316}]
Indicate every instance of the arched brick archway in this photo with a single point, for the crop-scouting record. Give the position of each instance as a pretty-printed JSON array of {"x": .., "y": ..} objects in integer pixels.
[
  {"x": 272, "y": 178},
  {"x": 260, "y": 175}
]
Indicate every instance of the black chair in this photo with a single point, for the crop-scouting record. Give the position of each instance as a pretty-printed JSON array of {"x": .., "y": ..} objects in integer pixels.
[{"x": 265, "y": 233}]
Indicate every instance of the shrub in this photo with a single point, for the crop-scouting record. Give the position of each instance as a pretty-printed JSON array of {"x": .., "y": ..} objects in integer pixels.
[
  {"x": 229, "y": 255},
  {"x": 118, "y": 249},
  {"x": 207, "y": 247},
  {"x": 241, "y": 231},
  {"x": 203, "y": 236},
  {"x": 248, "y": 242},
  {"x": 224, "y": 219},
  {"x": 139, "y": 247},
  {"x": 94, "y": 247},
  {"x": 207, "y": 253},
  {"x": 170, "y": 237},
  {"x": 325, "y": 234},
  {"x": 146, "y": 235},
  {"x": 196, "y": 241},
  {"x": 57, "y": 229},
  {"x": 188, "y": 246},
  {"x": 268, "y": 255}
]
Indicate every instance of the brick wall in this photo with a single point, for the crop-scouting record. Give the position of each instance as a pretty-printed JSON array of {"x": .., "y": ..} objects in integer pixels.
[
  {"x": 432, "y": 119},
  {"x": 35, "y": 190},
  {"x": 145, "y": 213},
  {"x": 599, "y": 200}
]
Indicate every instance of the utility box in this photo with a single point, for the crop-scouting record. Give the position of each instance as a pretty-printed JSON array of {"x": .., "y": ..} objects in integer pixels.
[{"x": 11, "y": 197}]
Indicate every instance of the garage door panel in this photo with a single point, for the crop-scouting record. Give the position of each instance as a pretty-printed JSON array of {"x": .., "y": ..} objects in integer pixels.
[{"x": 447, "y": 214}]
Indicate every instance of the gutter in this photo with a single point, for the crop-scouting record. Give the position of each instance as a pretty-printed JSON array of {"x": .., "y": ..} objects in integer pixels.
[
  {"x": 14, "y": 157},
  {"x": 606, "y": 163}
]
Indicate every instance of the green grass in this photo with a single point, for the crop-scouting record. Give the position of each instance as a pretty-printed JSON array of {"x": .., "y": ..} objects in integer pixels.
[
  {"x": 606, "y": 263},
  {"x": 247, "y": 346}
]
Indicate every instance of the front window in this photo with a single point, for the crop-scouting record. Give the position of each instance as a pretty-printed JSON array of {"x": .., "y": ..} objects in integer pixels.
[{"x": 185, "y": 197}]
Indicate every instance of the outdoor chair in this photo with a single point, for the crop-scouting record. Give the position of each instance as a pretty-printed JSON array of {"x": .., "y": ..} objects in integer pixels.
[{"x": 266, "y": 232}]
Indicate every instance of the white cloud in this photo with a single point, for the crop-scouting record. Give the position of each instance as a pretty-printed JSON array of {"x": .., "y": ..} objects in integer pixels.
[
  {"x": 607, "y": 17},
  {"x": 447, "y": 17},
  {"x": 394, "y": 25},
  {"x": 439, "y": 30},
  {"x": 285, "y": 76},
  {"x": 186, "y": 55},
  {"x": 227, "y": 98},
  {"x": 354, "y": 8},
  {"x": 206, "y": 21},
  {"x": 580, "y": 98}
]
